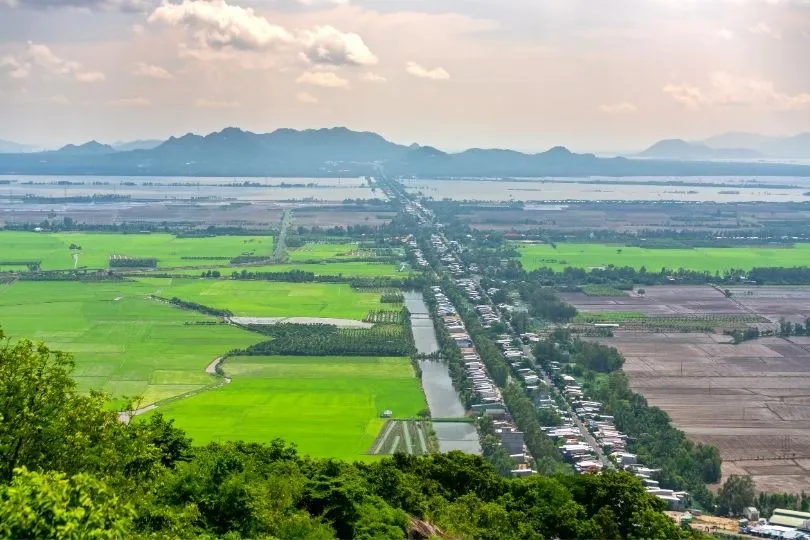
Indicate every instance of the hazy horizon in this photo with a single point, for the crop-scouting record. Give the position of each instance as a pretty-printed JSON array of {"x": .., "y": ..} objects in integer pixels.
[{"x": 609, "y": 77}]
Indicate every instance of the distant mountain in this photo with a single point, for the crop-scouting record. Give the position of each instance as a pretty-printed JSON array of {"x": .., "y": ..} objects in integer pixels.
[
  {"x": 794, "y": 147},
  {"x": 8, "y": 147},
  {"x": 342, "y": 152},
  {"x": 92, "y": 148},
  {"x": 147, "y": 144},
  {"x": 681, "y": 150}
]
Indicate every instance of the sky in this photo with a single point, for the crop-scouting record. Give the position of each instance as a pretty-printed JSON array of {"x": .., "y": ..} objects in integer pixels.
[{"x": 596, "y": 75}]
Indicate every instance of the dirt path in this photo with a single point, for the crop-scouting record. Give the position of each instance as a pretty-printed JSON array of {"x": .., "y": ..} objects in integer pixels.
[{"x": 212, "y": 367}]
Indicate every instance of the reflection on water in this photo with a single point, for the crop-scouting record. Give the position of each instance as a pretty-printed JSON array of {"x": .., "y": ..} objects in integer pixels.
[{"x": 441, "y": 397}]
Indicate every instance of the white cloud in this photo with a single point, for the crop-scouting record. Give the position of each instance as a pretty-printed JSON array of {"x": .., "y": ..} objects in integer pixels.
[
  {"x": 764, "y": 29},
  {"x": 726, "y": 34},
  {"x": 59, "y": 99},
  {"x": 328, "y": 45},
  {"x": 374, "y": 78},
  {"x": 219, "y": 24},
  {"x": 619, "y": 108},
  {"x": 143, "y": 69},
  {"x": 39, "y": 57},
  {"x": 90, "y": 76},
  {"x": 138, "y": 29},
  {"x": 105, "y": 5},
  {"x": 202, "y": 103},
  {"x": 325, "y": 79},
  {"x": 130, "y": 102},
  {"x": 436, "y": 74},
  {"x": 307, "y": 98},
  {"x": 727, "y": 89}
]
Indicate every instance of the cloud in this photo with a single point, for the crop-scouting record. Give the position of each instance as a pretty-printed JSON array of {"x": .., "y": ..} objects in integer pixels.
[
  {"x": 307, "y": 98},
  {"x": 103, "y": 5},
  {"x": 325, "y": 79},
  {"x": 138, "y": 29},
  {"x": 374, "y": 78},
  {"x": 763, "y": 29},
  {"x": 130, "y": 102},
  {"x": 143, "y": 69},
  {"x": 219, "y": 24},
  {"x": 619, "y": 108},
  {"x": 59, "y": 99},
  {"x": 727, "y": 89},
  {"x": 39, "y": 57},
  {"x": 436, "y": 74},
  {"x": 90, "y": 76},
  {"x": 202, "y": 103},
  {"x": 726, "y": 34},
  {"x": 328, "y": 45}
]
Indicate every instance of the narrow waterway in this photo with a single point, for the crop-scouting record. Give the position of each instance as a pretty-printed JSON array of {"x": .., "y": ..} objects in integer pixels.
[{"x": 441, "y": 397}]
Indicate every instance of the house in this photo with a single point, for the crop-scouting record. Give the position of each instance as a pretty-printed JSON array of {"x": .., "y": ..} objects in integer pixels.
[
  {"x": 790, "y": 518},
  {"x": 388, "y": 413}
]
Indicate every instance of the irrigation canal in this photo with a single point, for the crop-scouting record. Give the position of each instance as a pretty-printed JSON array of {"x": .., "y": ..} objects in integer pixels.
[{"x": 442, "y": 398}]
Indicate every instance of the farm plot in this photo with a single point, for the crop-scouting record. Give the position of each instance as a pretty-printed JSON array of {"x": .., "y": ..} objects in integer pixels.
[
  {"x": 328, "y": 406},
  {"x": 667, "y": 308},
  {"x": 317, "y": 252},
  {"x": 272, "y": 299},
  {"x": 122, "y": 342},
  {"x": 402, "y": 436},
  {"x": 64, "y": 251},
  {"x": 348, "y": 269},
  {"x": 750, "y": 400},
  {"x": 560, "y": 256}
]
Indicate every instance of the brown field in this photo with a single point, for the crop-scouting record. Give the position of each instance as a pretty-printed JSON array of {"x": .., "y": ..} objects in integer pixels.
[
  {"x": 322, "y": 216},
  {"x": 630, "y": 216},
  {"x": 751, "y": 400}
]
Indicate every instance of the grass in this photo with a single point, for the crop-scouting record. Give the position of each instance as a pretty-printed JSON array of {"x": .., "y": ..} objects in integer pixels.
[
  {"x": 586, "y": 256},
  {"x": 602, "y": 290},
  {"x": 328, "y": 406},
  {"x": 349, "y": 268},
  {"x": 271, "y": 299},
  {"x": 607, "y": 316},
  {"x": 319, "y": 252},
  {"x": 53, "y": 249},
  {"x": 122, "y": 342}
]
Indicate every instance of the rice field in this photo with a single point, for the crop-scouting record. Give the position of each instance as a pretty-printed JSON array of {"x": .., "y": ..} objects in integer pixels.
[
  {"x": 587, "y": 256},
  {"x": 347, "y": 268},
  {"x": 122, "y": 342},
  {"x": 55, "y": 252},
  {"x": 271, "y": 299},
  {"x": 328, "y": 406}
]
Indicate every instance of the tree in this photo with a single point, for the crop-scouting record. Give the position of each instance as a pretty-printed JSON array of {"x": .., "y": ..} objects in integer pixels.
[
  {"x": 736, "y": 495},
  {"x": 52, "y": 505}
]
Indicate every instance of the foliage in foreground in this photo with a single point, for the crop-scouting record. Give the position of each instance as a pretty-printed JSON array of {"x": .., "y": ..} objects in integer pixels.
[{"x": 70, "y": 469}]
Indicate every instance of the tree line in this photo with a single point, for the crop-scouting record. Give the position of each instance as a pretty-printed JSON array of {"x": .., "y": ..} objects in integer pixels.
[{"x": 70, "y": 469}]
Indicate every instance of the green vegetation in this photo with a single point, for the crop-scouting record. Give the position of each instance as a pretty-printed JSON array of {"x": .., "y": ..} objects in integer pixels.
[
  {"x": 125, "y": 343},
  {"x": 329, "y": 405},
  {"x": 347, "y": 268},
  {"x": 69, "y": 469},
  {"x": 560, "y": 256},
  {"x": 271, "y": 298},
  {"x": 94, "y": 249},
  {"x": 327, "y": 251},
  {"x": 602, "y": 290},
  {"x": 607, "y": 316},
  {"x": 326, "y": 339}
]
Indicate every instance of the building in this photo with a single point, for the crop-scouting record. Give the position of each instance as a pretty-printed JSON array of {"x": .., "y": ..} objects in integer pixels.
[{"x": 790, "y": 518}]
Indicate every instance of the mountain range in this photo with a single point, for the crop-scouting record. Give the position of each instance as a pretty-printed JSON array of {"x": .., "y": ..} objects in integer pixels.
[
  {"x": 343, "y": 152},
  {"x": 8, "y": 147},
  {"x": 733, "y": 146}
]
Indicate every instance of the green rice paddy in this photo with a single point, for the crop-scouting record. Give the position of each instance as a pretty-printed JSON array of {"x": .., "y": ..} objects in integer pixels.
[
  {"x": 348, "y": 269},
  {"x": 53, "y": 249},
  {"x": 534, "y": 256},
  {"x": 122, "y": 343},
  {"x": 329, "y": 406},
  {"x": 271, "y": 299}
]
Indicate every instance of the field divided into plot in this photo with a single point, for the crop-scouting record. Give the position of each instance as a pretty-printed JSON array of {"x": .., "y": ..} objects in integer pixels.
[
  {"x": 53, "y": 249},
  {"x": 349, "y": 269},
  {"x": 327, "y": 251},
  {"x": 123, "y": 343},
  {"x": 534, "y": 256},
  {"x": 328, "y": 406},
  {"x": 271, "y": 299}
]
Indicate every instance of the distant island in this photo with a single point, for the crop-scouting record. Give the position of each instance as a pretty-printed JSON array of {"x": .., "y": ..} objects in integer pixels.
[{"x": 336, "y": 152}]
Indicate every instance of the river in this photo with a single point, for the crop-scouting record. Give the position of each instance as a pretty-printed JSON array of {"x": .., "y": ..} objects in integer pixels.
[{"x": 442, "y": 399}]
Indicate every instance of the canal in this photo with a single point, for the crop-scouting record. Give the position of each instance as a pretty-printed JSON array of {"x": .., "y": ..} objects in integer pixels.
[{"x": 442, "y": 399}]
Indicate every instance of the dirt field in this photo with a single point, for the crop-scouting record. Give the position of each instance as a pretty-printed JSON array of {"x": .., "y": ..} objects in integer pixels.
[
  {"x": 751, "y": 400},
  {"x": 339, "y": 215}
]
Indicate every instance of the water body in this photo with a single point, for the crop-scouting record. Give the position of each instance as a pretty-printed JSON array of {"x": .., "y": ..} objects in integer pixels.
[
  {"x": 615, "y": 189},
  {"x": 442, "y": 398}
]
